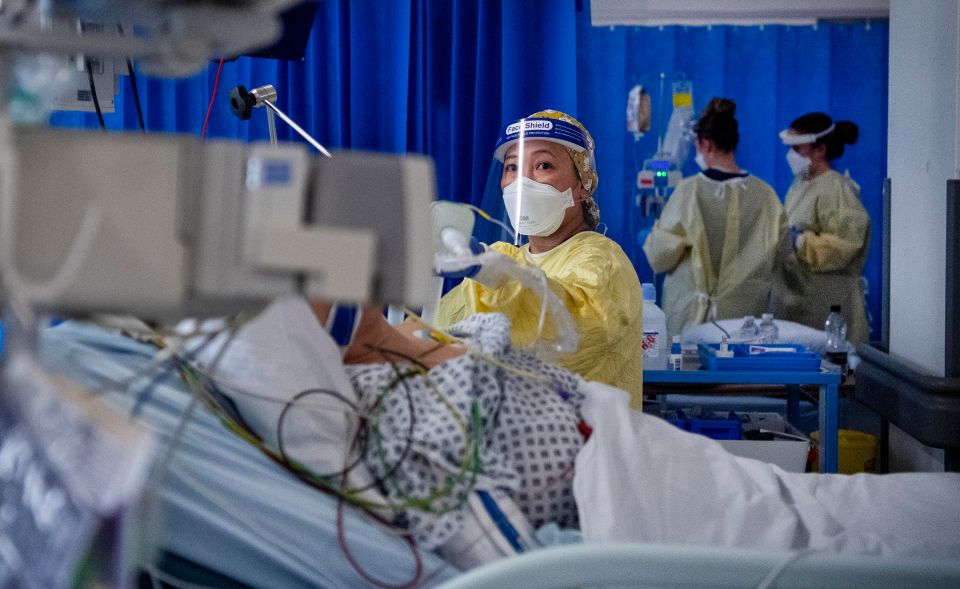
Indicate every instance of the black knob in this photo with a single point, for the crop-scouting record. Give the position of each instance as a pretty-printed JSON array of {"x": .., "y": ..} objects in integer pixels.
[{"x": 242, "y": 102}]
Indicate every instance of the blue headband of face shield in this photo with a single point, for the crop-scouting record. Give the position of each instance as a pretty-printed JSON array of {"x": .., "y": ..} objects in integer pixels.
[{"x": 555, "y": 130}]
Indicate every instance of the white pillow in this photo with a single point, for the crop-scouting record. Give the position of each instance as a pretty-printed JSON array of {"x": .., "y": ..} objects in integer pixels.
[{"x": 280, "y": 353}]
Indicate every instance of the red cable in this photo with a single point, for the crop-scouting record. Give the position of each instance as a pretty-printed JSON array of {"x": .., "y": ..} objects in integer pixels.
[
  {"x": 216, "y": 84},
  {"x": 342, "y": 540}
]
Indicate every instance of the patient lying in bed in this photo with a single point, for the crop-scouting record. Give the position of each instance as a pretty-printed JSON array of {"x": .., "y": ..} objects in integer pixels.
[
  {"x": 502, "y": 421},
  {"x": 439, "y": 424},
  {"x": 635, "y": 478}
]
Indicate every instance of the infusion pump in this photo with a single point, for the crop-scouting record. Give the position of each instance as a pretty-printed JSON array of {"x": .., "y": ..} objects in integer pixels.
[{"x": 167, "y": 226}]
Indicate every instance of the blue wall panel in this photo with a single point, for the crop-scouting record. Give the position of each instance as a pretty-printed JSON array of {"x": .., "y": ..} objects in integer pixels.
[
  {"x": 441, "y": 77},
  {"x": 773, "y": 73}
]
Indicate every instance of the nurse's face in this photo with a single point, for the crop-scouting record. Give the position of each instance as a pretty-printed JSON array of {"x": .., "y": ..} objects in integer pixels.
[
  {"x": 543, "y": 161},
  {"x": 816, "y": 153},
  {"x": 547, "y": 162}
]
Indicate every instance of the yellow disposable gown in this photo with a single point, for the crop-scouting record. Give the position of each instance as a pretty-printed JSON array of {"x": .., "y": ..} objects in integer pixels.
[
  {"x": 831, "y": 252},
  {"x": 599, "y": 287},
  {"x": 721, "y": 243}
]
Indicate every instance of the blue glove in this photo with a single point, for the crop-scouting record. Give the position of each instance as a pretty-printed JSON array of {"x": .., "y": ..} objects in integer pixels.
[
  {"x": 477, "y": 248},
  {"x": 795, "y": 232}
]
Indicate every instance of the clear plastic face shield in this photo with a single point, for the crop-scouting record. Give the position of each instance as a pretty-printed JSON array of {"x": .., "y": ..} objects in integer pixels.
[
  {"x": 538, "y": 164},
  {"x": 790, "y": 137},
  {"x": 527, "y": 188},
  {"x": 798, "y": 162}
]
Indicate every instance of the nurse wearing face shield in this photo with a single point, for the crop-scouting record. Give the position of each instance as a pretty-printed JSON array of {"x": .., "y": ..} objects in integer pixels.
[
  {"x": 829, "y": 226},
  {"x": 548, "y": 181},
  {"x": 722, "y": 236}
]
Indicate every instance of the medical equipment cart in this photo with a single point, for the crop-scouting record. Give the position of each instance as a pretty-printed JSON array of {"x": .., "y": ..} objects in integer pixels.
[{"x": 828, "y": 382}]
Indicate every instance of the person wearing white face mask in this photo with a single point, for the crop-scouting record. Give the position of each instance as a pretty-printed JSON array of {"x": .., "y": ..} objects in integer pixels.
[
  {"x": 830, "y": 227},
  {"x": 722, "y": 235},
  {"x": 548, "y": 192}
]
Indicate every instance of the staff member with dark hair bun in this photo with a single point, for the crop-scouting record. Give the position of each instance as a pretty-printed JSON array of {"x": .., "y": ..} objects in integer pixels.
[
  {"x": 829, "y": 226},
  {"x": 722, "y": 235}
]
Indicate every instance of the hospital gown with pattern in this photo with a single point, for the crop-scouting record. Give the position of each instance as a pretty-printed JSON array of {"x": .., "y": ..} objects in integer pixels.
[{"x": 527, "y": 410}]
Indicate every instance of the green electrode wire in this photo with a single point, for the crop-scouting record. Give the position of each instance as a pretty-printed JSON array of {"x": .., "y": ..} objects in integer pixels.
[
  {"x": 471, "y": 461},
  {"x": 330, "y": 484}
]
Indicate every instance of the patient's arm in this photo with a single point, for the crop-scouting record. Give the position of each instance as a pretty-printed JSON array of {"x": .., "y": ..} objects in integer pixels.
[{"x": 374, "y": 335}]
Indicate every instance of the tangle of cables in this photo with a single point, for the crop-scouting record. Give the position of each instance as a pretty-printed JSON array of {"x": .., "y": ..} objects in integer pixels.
[
  {"x": 367, "y": 438},
  {"x": 207, "y": 390}
]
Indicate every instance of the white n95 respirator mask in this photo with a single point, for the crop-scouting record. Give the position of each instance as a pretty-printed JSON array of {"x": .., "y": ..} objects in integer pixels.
[
  {"x": 799, "y": 164},
  {"x": 535, "y": 208}
]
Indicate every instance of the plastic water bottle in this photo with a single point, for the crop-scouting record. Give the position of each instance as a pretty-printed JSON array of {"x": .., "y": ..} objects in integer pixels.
[
  {"x": 655, "y": 348},
  {"x": 769, "y": 334},
  {"x": 676, "y": 354},
  {"x": 836, "y": 328},
  {"x": 749, "y": 332}
]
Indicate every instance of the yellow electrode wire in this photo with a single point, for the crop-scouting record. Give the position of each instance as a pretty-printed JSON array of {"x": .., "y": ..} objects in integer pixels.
[
  {"x": 445, "y": 338},
  {"x": 486, "y": 216}
]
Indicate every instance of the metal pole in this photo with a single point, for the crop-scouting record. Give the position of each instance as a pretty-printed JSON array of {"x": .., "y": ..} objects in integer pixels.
[
  {"x": 297, "y": 128},
  {"x": 952, "y": 276},
  {"x": 273, "y": 127},
  {"x": 663, "y": 81},
  {"x": 885, "y": 269}
]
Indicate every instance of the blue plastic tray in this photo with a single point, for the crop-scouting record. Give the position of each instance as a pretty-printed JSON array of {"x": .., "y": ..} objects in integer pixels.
[
  {"x": 717, "y": 428},
  {"x": 798, "y": 360}
]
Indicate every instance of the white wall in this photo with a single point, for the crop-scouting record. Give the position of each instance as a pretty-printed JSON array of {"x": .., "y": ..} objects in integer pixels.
[
  {"x": 909, "y": 455},
  {"x": 698, "y": 12},
  {"x": 923, "y": 145},
  {"x": 923, "y": 151}
]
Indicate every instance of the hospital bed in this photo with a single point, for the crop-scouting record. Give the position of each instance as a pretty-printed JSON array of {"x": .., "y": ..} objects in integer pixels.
[
  {"x": 224, "y": 506},
  {"x": 228, "y": 509},
  {"x": 645, "y": 565}
]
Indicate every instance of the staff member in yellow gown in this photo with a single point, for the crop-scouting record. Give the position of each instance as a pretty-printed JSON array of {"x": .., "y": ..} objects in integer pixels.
[
  {"x": 831, "y": 229},
  {"x": 555, "y": 177},
  {"x": 723, "y": 234}
]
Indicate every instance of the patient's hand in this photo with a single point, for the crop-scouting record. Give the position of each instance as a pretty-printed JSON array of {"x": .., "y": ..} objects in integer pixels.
[{"x": 375, "y": 339}]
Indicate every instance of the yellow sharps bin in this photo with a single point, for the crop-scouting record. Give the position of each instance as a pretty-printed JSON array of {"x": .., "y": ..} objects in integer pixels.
[{"x": 857, "y": 452}]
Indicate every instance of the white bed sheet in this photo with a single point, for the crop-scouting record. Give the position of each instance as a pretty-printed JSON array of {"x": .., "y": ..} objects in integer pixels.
[{"x": 640, "y": 479}]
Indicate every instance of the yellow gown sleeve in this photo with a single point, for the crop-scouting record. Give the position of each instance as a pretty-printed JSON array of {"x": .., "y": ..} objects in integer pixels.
[
  {"x": 667, "y": 243},
  {"x": 603, "y": 301},
  {"x": 595, "y": 288},
  {"x": 787, "y": 265},
  {"x": 844, "y": 228}
]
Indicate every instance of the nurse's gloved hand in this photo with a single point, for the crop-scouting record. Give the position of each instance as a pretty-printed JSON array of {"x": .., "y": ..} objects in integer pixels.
[
  {"x": 796, "y": 232},
  {"x": 495, "y": 269},
  {"x": 448, "y": 265}
]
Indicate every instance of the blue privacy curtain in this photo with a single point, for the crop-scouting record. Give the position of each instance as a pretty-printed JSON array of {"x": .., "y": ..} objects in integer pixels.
[
  {"x": 430, "y": 76},
  {"x": 441, "y": 77},
  {"x": 773, "y": 73}
]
